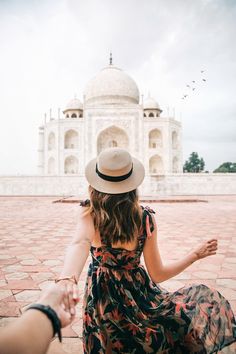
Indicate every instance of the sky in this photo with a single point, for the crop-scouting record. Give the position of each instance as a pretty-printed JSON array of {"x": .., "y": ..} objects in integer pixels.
[{"x": 49, "y": 50}]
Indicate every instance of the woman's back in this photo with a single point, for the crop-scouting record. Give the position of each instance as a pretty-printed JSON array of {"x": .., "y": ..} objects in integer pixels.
[{"x": 126, "y": 312}]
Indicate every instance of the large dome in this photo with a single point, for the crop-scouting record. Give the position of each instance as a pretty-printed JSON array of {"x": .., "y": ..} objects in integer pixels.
[{"x": 111, "y": 86}]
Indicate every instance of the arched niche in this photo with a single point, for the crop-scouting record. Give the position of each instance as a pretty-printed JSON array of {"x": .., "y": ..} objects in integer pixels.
[
  {"x": 156, "y": 165},
  {"x": 71, "y": 165},
  {"x": 111, "y": 137},
  {"x": 175, "y": 163},
  {"x": 51, "y": 166},
  {"x": 71, "y": 139},
  {"x": 155, "y": 139},
  {"x": 151, "y": 115},
  {"x": 174, "y": 140},
  {"x": 51, "y": 141},
  {"x": 74, "y": 115}
]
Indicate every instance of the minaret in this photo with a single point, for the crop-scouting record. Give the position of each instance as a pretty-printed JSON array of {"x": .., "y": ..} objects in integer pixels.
[{"x": 41, "y": 151}]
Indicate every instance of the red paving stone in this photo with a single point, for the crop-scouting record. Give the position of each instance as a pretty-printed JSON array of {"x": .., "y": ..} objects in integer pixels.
[
  {"x": 34, "y": 233},
  {"x": 20, "y": 284}
]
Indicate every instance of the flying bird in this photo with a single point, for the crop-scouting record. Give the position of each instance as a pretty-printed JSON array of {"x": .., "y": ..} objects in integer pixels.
[{"x": 190, "y": 86}]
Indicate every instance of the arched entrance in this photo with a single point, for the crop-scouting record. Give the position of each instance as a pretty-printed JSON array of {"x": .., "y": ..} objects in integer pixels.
[
  {"x": 155, "y": 139},
  {"x": 156, "y": 165},
  {"x": 112, "y": 137},
  {"x": 51, "y": 141},
  {"x": 51, "y": 166},
  {"x": 71, "y": 139},
  {"x": 71, "y": 165},
  {"x": 174, "y": 140},
  {"x": 175, "y": 164}
]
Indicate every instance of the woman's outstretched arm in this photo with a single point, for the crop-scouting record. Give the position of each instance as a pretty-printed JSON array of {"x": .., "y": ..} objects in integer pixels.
[
  {"x": 76, "y": 256},
  {"x": 160, "y": 272},
  {"x": 78, "y": 250}
]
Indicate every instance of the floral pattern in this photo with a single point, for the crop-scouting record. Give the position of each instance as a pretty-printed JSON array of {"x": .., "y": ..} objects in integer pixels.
[{"x": 126, "y": 312}]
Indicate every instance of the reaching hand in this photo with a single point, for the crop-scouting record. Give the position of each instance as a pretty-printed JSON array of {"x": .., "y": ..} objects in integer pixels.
[
  {"x": 71, "y": 296},
  {"x": 208, "y": 248},
  {"x": 63, "y": 300}
]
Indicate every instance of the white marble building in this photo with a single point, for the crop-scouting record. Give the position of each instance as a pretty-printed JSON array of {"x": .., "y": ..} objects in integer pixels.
[{"x": 111, "y": 115}]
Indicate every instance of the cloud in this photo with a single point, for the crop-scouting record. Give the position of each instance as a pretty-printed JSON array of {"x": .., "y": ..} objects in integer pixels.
[{"x": 50, "y": 49}]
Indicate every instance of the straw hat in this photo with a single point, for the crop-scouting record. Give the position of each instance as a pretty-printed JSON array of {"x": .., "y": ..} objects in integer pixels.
[{"x": 114, "y": 171}]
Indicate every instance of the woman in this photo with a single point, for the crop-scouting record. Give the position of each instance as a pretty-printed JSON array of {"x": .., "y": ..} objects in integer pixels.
[{"x": 125, "y": 310}]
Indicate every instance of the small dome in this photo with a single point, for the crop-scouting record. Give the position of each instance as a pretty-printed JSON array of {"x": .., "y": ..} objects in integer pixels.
[
  {"x": 150, "y": 103},
  {"x": 111, "y": 85},
  {"x": 73, "y": 105}
]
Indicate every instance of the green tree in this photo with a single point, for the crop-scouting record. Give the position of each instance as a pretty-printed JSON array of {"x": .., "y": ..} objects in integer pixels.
[
  {"x": 226, "y": 167},
  {"x": 194, "y": 163}
]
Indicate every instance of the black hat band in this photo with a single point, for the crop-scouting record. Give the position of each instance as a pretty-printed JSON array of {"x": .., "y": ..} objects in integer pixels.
[{"x": 113, "y": 178}]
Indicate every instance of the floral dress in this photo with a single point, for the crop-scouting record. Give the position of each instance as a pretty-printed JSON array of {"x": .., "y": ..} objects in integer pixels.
[{"x": 126, "y": 312}]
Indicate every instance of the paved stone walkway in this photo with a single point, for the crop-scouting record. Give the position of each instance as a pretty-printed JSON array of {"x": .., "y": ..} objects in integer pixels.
[{"x": 34, "y": 233}]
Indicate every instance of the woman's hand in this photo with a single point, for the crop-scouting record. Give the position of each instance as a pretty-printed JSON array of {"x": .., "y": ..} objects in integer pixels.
[
  {"x": 62, "y": 297},
  {"x": 71, "y": 297},
  {"x": 208, "y": 248}
]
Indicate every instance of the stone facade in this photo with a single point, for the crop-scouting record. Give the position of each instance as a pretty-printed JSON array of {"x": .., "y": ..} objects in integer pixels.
[
  {"x": 110, "y": 115},
  {"x": 153, "y": 186}
]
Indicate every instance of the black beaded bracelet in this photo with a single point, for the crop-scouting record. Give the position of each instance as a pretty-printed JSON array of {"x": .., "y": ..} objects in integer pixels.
[{"x": 52, "y": 315}]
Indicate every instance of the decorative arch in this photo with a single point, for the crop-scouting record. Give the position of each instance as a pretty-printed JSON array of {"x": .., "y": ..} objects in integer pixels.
[
  {"x": 175, "y": 163},
  {"x": 155, "y": 139},
  {"x": 71, "y": 165},
  {"x": 174, "y": 140},
  {"x": 67, "y": 116},
  {"x": 51, "y": 166},
  {"x": 151, "y": 115},
  {"x": 51, "y": 141},
  {"x": 145, "y": 115},
  {"x": 112, "y": 136},
  {"x": 81, "y": 115},
  {"x": 74, "y": 115},
  {"x": 71, "y": 139},
  {"x": 156, "y": 165}
]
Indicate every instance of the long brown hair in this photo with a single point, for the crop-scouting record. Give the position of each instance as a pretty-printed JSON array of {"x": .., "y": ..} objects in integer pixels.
[{"x": 118, "y": 217}]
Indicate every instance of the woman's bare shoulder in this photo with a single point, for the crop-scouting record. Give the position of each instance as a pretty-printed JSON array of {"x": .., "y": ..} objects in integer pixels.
[{"x": 84, "y": 225}]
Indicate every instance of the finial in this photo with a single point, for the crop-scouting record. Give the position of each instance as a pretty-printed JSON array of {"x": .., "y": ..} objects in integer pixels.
[
  {"x": 110, "y": 58},
  {"x": 142, "y": 98}
]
